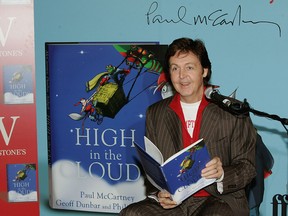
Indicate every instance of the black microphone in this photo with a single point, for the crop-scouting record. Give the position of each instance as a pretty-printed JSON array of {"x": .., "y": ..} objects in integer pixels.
[
  {"x": 213, "y": 95},
  {"x": 237, "y": 107},
  {"x": 228, "y": 102}
]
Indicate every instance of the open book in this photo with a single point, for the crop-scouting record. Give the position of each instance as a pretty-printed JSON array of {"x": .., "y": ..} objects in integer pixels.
[{"x": 180, "y": 174}]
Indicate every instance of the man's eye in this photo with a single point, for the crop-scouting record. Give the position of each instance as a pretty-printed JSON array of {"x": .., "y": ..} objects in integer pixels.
[
  {"x": 189, "y": 68},
  {"x": 174, "y": 69}
]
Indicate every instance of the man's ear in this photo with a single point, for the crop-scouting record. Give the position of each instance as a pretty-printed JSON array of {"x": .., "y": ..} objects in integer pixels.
[{"x": 205, "y": 72}]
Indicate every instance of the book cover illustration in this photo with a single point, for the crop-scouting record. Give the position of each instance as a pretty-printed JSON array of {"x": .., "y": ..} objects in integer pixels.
[
  {"x": 97, "y": 95},
  {"x": 180, "y": 174},
  {"x": 21, "y": 182},
  {"x": 18, "y": 84}
]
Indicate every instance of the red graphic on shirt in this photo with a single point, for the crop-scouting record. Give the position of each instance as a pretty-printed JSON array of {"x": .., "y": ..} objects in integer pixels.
[{"x": 190, "y": 124}]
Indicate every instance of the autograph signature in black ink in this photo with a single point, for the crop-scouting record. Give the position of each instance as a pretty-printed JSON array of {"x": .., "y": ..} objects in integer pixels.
[{"x": 215, "y": 18}]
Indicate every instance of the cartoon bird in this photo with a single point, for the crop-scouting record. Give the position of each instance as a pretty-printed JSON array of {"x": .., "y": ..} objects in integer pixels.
[{"x": 164, "y": 86}]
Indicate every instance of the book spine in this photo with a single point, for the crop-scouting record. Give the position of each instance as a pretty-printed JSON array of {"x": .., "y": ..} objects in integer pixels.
[
  {"x": 48, "y": 106},
  {"x": 168, "y": 188},
  {"x": 49, "y": 154}
]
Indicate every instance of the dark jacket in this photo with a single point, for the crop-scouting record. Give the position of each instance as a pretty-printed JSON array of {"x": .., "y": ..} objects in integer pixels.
[{"x": 230, "y": 137}]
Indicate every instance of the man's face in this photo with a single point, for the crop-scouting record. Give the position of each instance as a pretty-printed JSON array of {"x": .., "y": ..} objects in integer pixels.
[{"x": 187, "y": 76}]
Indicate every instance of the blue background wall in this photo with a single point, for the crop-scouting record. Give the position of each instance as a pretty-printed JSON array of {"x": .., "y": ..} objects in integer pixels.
[{"x": 247, "y": 42}]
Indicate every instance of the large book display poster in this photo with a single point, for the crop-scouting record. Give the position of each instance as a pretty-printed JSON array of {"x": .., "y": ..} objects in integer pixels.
[
  {"x": 18, "y": 135},
  {"x": 97, "y": 95}
]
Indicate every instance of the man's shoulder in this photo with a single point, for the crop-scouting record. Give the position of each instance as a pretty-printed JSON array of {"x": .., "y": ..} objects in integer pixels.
[
  {"x": 161, "y": 103},
  {"x": 224, "y": 112}
]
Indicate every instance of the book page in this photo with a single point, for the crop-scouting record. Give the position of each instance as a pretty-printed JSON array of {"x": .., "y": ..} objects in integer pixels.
[
  {"x": 180, "y": 152},
  {"x": 153, "y": 151}
]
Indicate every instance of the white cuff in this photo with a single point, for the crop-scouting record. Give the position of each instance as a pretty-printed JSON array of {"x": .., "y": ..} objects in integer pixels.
[
  {"x": 220, "y": 184},
  {"x": 220, "y": 179},
  {"x": 154, "y": 196}
]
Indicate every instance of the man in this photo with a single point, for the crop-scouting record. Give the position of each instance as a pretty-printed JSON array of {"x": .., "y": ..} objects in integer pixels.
[{"x": 177, "y": 121}]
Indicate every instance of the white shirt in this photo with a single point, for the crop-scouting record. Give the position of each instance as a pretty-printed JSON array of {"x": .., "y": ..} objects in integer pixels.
[{"x": 190, "y": 112}]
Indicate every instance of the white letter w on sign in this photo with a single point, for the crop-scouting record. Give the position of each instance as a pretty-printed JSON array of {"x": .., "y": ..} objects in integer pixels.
[{"x": 3, "y": 130}]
